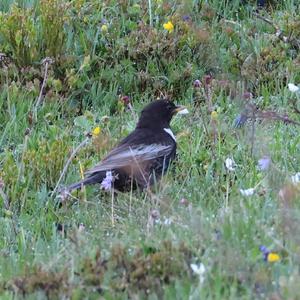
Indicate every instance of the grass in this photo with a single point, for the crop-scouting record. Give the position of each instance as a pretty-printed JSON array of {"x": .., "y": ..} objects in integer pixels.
[{"x": 197, "y": 213}]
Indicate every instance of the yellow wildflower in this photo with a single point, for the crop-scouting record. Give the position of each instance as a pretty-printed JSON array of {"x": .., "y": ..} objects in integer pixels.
[
  {"x": 96, "y": 131},
  {"x": 169, "y": 26},
  {"x": 104, "y": 28},
  {"x": 273, "y": 257},
  {"x": 214, "y": 115}
]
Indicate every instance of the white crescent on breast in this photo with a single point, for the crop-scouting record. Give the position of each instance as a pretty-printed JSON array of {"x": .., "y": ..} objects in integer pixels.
[{"x": 170, "y": 132}]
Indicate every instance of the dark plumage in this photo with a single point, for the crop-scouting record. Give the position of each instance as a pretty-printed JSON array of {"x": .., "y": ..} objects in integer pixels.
[{"x": 143, "y": 156}]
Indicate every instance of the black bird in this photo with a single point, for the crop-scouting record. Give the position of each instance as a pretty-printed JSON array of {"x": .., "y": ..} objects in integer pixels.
[{"x": 143, "y": 156}]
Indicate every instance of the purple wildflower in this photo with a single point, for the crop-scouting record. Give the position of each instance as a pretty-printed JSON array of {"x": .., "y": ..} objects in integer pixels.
[
  {"x": 264, "y": 163},
  {"x": 268, "y": 255},
  {"x": 106, "y": 183},
  {"x": 240, "y": 121},
  {"x": 265, "y": 251},
  {"x": 186, "y": 18},
  {"x": 197, "y": 83}
]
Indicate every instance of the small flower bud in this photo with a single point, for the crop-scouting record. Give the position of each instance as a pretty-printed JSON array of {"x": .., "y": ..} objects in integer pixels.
[
  {"x": 27, "y": 131},
  {"x": 247, "y": 95},
  {"x": 105, "y": 119},
  {"x": 208, "y": 79},
  {"x": 184, "y": 202},
  {"x": 214, "y": 115},
  {"x": 155, "y": 214},
  {"x": 125, "y": 100},
  {"x": 1, "y": 183},
  {"x": 47, "y": 60},
  {"x": 104, "y": 28}
]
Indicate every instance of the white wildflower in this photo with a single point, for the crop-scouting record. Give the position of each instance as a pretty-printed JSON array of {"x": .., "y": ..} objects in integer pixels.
[
  {"x": 199, "y": 270},
  {"x": 168, "y": 221},
  {"x": 81, "y": 227},
  {"x": 296, "y": 178},
  {"x": 107, "y": 181},
  {"x": 230, "y": 164},
  {"x": 293, "y": 88},
  {"x": 248, "y": 192}
]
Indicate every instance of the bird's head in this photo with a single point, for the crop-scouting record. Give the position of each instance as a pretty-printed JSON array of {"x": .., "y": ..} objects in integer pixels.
[{"x": 159, "y": 113}]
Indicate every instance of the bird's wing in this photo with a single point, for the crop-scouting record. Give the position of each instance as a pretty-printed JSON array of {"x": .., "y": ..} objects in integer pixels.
[{"x": 125, "y": 156}]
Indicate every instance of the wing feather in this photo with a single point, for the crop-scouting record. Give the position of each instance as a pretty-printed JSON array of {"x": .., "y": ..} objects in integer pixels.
[{"x": 126, "y": 156}]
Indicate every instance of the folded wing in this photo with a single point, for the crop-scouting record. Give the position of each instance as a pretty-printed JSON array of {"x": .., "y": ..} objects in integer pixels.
[{"x": 131, "y": 157}]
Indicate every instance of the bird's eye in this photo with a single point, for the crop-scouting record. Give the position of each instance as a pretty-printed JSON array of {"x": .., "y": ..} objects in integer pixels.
[{"x": 170, "y": 106}]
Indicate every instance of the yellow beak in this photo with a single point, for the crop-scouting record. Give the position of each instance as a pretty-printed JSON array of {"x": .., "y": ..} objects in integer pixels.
[{"x": 181, "y": 110}]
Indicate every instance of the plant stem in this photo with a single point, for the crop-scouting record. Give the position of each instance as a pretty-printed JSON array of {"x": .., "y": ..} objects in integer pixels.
[
  {"x": 82, "y": 144},
  {"x": 150, "y": 12}
]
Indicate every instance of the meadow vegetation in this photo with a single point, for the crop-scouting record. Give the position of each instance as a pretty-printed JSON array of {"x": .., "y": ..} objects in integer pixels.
[{"x": 224, "y": 223}]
